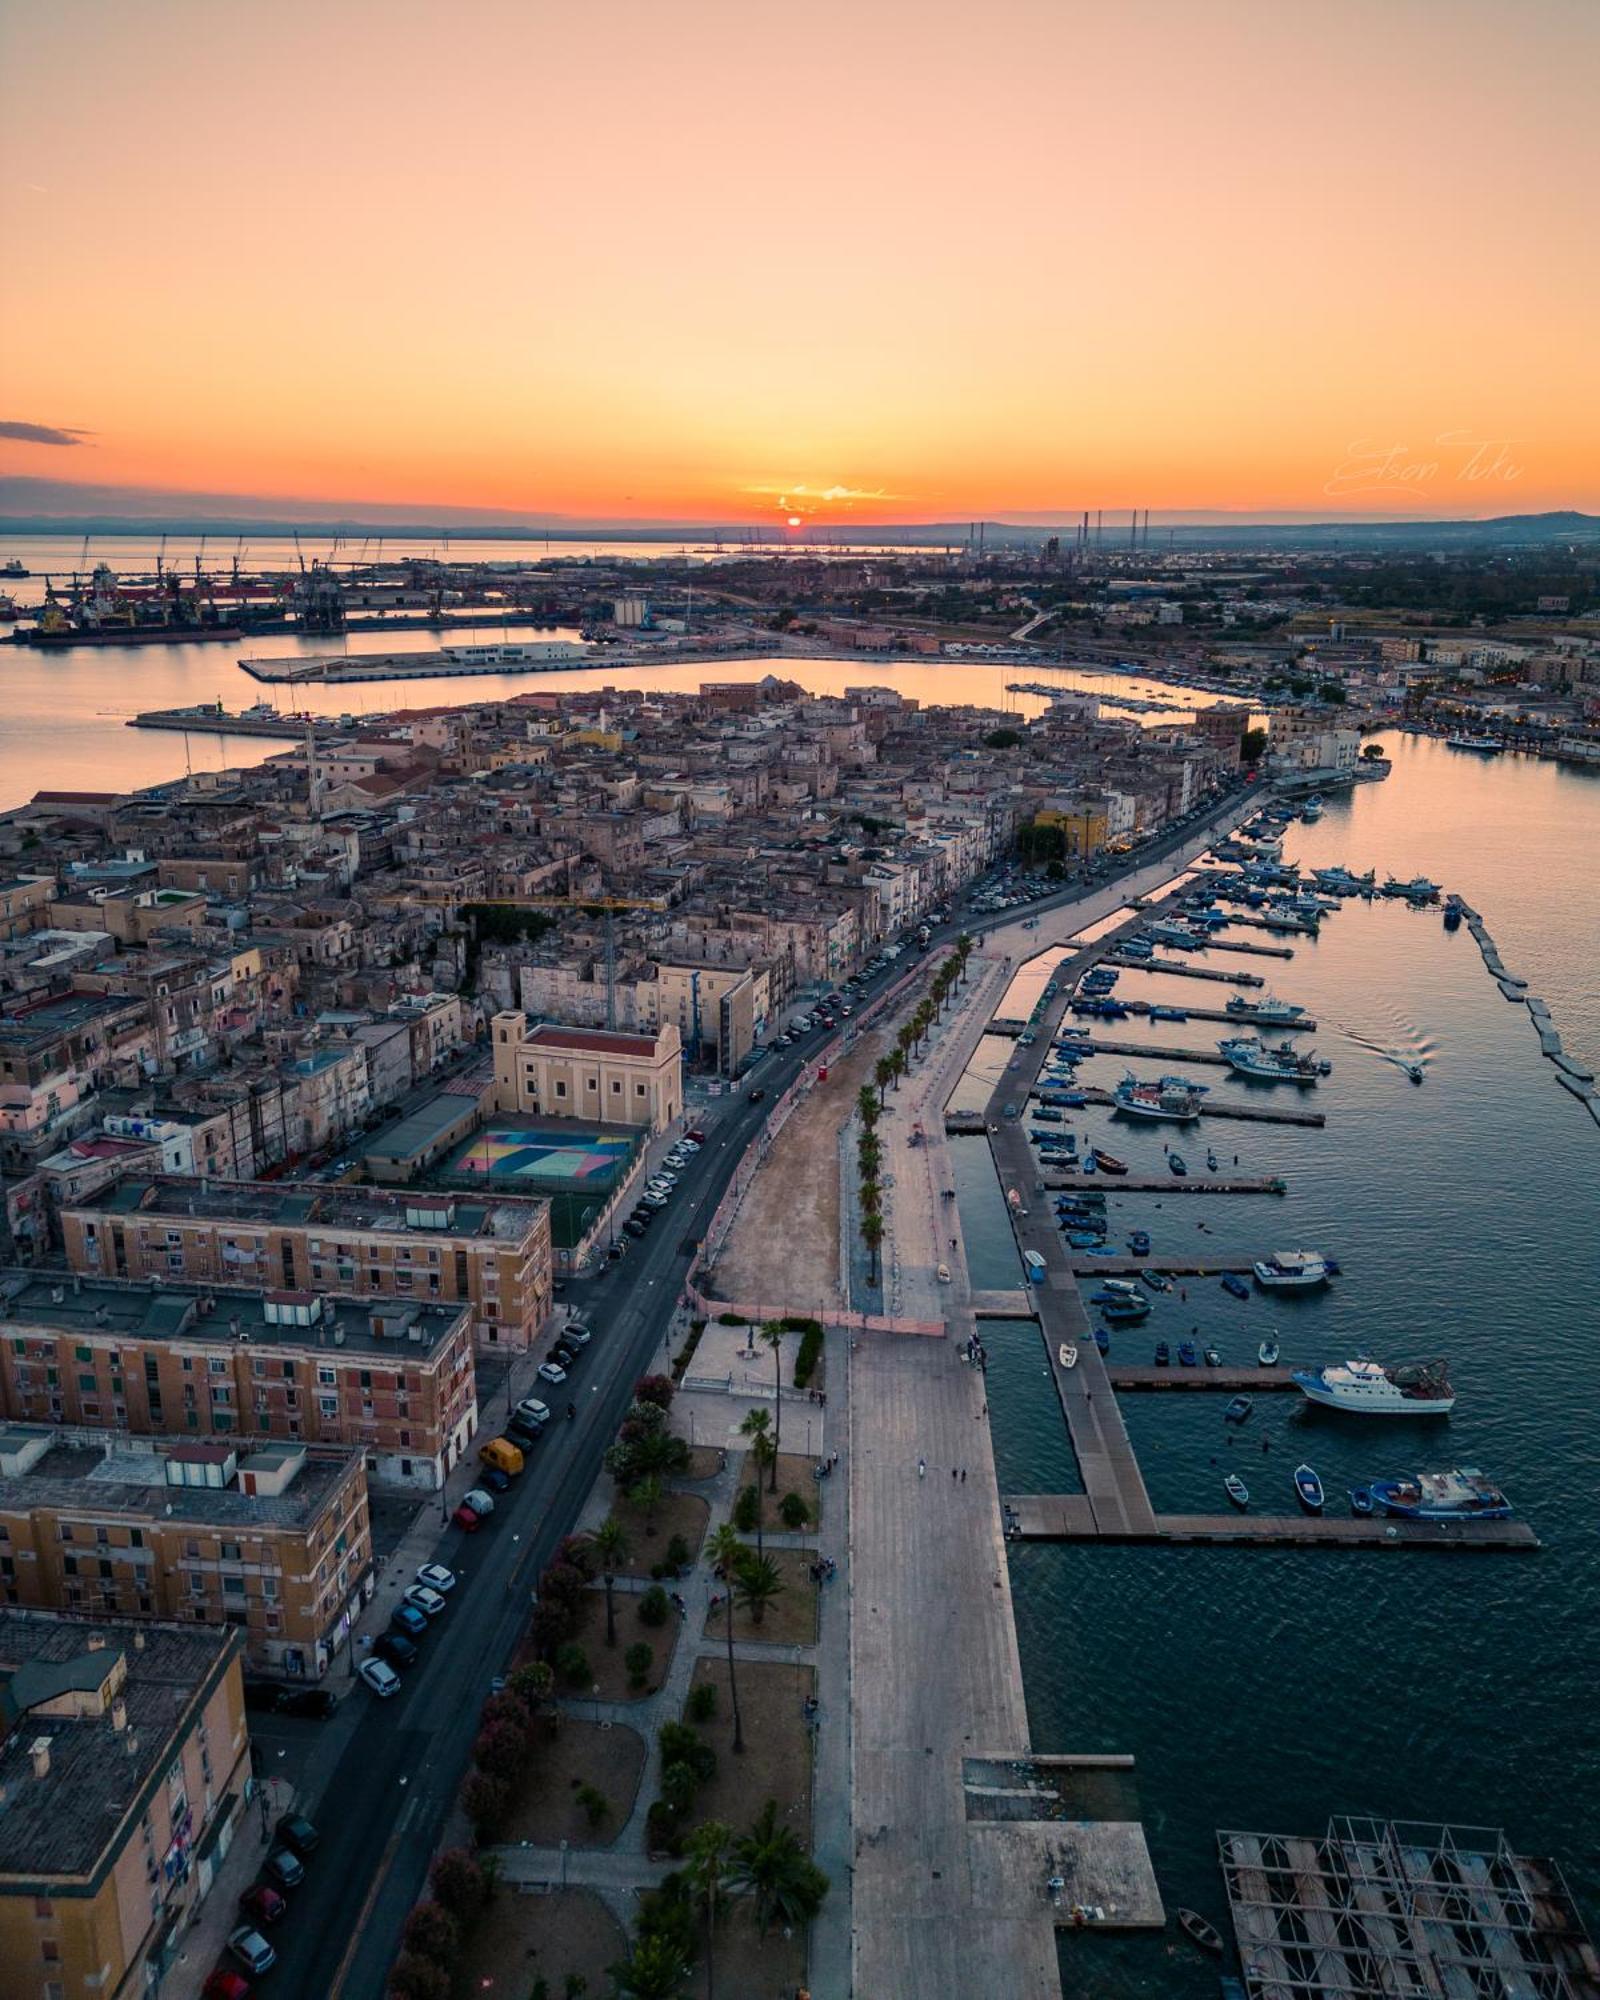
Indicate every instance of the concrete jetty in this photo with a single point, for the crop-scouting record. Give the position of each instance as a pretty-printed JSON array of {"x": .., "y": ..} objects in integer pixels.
[
  {"x": 1304, "y": 1026},
  {"x": 1263, "y": 1114},
  {"x": 1060, "y": 1517},
  {"x": 1176, "y": 969},
  {"x": 1133, "y": 1184}
]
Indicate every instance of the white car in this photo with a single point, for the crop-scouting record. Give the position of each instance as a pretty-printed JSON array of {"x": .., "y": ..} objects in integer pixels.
[
  {"x": 422, "y": 1599},
  {"x": 666, "y": 1179},
  {"x": 657, "y": 1198},
  {"x": 688, "y": 1145},
  {"x": 379, "y": 1676},
  {"x": 481, "y": 1503},
  {"x": 436, "y": 1577},
  {"x": 252, "y": 1950},
  {"x": 536, "y": 1413},
  {"x": 549, "y": 1371},
  {"x": 577, "y": 1333}
]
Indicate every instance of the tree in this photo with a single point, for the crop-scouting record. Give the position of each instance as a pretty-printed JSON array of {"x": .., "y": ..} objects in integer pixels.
[
  {"x": 867, "y": 1106},
  {"x": 772, "y": 1332},
  {"x": 486, "y": 1800},
  {"x": 757, "y": 1428},
  {"x": 794, "y": 1512},
  {"x": 724, "y": 1550},
  {"x": 769, "y": 1865},
  {"x": 532, "y": 1685},
  {"x": 646, "y": 1494},
  {"x": 757, "y": 1581},
  {"x": 655, "y": 1969},
  {"x": 1252, "y": 746},
  {"x": 638, "y": 1659},
  {"x": 458, "y": 1884},
  {"x": 416, "y": 1978},
  {"x": 431, "y": 1932},
  {"x": 897, "y": 1061},
  {"x": 709, "y": 1847},
  {"x": 657, "y": 1389},
  {"x": 1003, "y": 739},
  {"x": 883, "y": 1076},
  {"x": 611, "y": 1547},
  {"x": 872, "y": 1236}
]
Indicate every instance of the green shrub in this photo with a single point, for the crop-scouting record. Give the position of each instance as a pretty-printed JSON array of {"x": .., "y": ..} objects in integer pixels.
[
  {"x": 572, "y": 1665},
  {"x": 796, "y": 1323},
  {"x": 638, "y": 1660},
  {"x": 679, "y": 1744},
  {"x": 678, "y": 1787},
  {"x": 679, "y": 1554},
  {"x": 805, "y": 1362},
  {"x": 732, "y": 1319},
  {"x": 746, "y": 1510},
  {"x": 654, "y": 1606},
  {"x": 662, "y": 1833},
  {"x": 703, "y": 1702},
  {"x": 594, "y": 1803},
  {"x": 793, "y": 1511}
]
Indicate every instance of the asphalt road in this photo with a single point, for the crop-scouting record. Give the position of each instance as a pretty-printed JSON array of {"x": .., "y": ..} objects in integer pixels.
[{"x": 380, "y": 1777}]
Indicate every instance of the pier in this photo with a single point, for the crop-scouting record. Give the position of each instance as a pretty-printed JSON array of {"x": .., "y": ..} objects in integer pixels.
[
  {"x": 1131, "y": 1184},
  {"x": 1305, "y": 1025},
  {"x": 1254, "y": 950},
  {"x": 1063, "y": 1517},
  {"x": 1235, "y": 1381},
  {"x": 1157, "y": 1052},
  {"x": 212, "y": 719},
  {"x": 1176, "y": 969},
  {"x": 1262, "y": 1114}
]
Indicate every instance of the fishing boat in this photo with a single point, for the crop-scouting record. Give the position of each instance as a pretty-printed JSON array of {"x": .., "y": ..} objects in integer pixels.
[
  {"x": 1250, "y": 1056},
  {"x": 1158, "y": 1281},
  {"x": 1234, "y": 1284},
  {"x": 1462, "y": 1494},
  {"x": 1168, "y": 1014},
  {"x": 1266, "y": 1008},
  {"x": 1418, "y": 890},
  {"x": 1091, "y": 1160},
  {"x": 1102, "y": 1340},
  {"x": 1211, "y": 1357},
  {"x": 1155, "y": 1100},
  {"x": 1340, "y": 881},
  {"x": 1312, "y": 809},
  {"x": 1413, "y": 1389},
  {"x": 1109, "y": 1164},
  {"x": 1281, "y": 917},
  {"x": 1267, "y": 1352},
  {"x": 1360, "y": 1500},
  {"x": 1196, "y": 1929},
  {"x": 1238, "y": 1410},
  {"x": 1125, "y": 1309},
  {"x": 1176, "y": 1165},
  {"x": 1308, "y": 1489},
  {"x": 1085, "y": 1239},
  {"x": 1067, "y": 1354},
  {"x": 1163, "y": 1355},
  {"x": 1124, "y": 1288},
  {"x": 1454, "y": 909},
  {"x": 1187, "y": 1358},
  {"x": 1486, "y": 746},
  {"x": 1292, "y": 1270}
]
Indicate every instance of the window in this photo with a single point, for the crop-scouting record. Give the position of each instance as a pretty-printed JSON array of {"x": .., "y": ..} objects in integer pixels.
[
  {"x": 86, "y": 1384},
  {"x": 83, "y": 1353},
  {"x": 616, "y": 1086}
]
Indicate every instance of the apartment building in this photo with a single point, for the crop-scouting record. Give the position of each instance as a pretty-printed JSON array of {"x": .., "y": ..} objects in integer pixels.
[
  {"x": 593, "y": 1074},
  {"x": 124, "y": 1765},
  {"x": 393, "y": 1380},
  {"x": 492, "y": 1257},
  {"x": 274, "y": 1540}
]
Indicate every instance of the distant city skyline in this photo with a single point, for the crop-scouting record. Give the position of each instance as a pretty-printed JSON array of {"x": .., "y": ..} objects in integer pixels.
[{"x": 866, "y": 263}]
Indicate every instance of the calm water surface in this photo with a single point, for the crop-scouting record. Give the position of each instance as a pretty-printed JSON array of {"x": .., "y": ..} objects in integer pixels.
[{"x": 1269, "y": 1689}]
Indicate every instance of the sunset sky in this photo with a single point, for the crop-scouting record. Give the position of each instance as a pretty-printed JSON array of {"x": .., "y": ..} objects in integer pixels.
[{"x": 852, "y": 260}]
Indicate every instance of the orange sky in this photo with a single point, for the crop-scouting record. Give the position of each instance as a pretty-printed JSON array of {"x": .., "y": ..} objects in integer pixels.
[{"x": 643, "y": 260}]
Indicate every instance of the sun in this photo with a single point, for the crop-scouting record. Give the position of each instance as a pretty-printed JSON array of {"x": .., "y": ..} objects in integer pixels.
[{"x": 794, "y": 520}]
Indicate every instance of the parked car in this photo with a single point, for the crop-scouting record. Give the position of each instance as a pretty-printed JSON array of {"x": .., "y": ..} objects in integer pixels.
[
  {"x": 576, "y": 1334},
  {"x": 563, "y": 1357},
  {"x": 697, "y": 1135},
  {"x": 494, "y": 1479},
  {"x": 660, "y": 1200},
  {"x": 262, "y": 1903},
  {"x": 522, "y": 1432},
  {"x": 501, "y": 1455},
  {"x": 467, "y": 1519},
  {"x": 536, "y": 1413},
  {"x": 633, "y": 1228},
  {"x": 550, "y": 1371},
  {"x": 408, "y": 1619},
  {"x": 286, "y": 1869},
  {"x": 435, "y": 1575},
  {"x": 427, "y": 1601},
  {"x": 479, "y": 1501},
  {"x": 296, "y": 1831},
  {"x": 396, "y": 1648},
  {"x": 226, "y": 1984},
  {"x": 379, "y": 1676},
  {"x": 252, "y": 1950}
]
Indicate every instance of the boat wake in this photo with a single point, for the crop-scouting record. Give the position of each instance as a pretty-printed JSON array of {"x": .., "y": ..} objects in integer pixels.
[{"x": 1412, "y": 1054}]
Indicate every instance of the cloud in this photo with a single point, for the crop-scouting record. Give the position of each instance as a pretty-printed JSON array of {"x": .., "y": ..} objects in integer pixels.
[
  {"x": 21, "y": 433},
  {"x": 808, "y": 500}
]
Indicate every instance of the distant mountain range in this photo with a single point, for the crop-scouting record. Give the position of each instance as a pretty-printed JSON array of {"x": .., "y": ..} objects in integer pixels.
[{"x": 60, "y": 507}]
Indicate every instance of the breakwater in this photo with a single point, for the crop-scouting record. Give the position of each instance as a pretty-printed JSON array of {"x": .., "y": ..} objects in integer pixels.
[{"x": 1570, "y": 1074}]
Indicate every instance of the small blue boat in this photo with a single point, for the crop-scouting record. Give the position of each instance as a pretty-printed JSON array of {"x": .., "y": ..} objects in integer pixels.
[
  {"x": 1360, "y": 1500},
  {"x": 1102, "y": 1340},
  {"x": 1125, "y": 1309},
  {"x": 1238, "y": 1410},
  {"x": 1308, "y": 1489},
  {"x": 1175, "y": 1164},
  {"x": 1234, "y": 1284},
  {"x": 1139, "y": 1242},
  {"x": 1163, "y": 1355},
  {"x": 1086, "y": 1239},
  {"x": 1187, "y": 1358},
  {"x": 1158, "y": 1281}
]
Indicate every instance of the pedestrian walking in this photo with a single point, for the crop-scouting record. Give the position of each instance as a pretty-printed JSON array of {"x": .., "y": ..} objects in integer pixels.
[
  {"x": 954, "y": 1474},
  {"x": 922, "y": 1468},
  {"x": 963, "y": 1475}
]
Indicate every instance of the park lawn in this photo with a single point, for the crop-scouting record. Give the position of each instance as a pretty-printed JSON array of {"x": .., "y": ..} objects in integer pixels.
[
  {"x": 577, "y": 1753},
  {"x": 789, "y": 1620},
  {"x": 776, "y": 1762},
  {"x": 682, "y": 1514},
  {"x": 520, "y": 1939},
  {"x": 606, "y": 1669}
]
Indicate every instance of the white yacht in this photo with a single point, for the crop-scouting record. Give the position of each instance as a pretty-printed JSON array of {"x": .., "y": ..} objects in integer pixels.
[
  {"x": 1416, "y": 1389},
  {"x": 1293, "y": 1270}
]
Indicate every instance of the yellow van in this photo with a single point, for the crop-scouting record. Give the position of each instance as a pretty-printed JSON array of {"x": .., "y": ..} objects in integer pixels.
[{"x": 502, "y": 1454}]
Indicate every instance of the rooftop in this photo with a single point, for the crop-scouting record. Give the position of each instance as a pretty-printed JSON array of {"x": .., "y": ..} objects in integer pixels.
[
  {"x": 110, "y": 1309},
  {"x": 104, "y": 1482},
  {"x": 67, "y": 1823},
  {"x": 296, "y": 1205},
  {"x": 594, "y": 1041}
]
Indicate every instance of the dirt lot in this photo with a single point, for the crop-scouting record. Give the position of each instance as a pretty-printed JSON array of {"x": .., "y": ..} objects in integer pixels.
[
  {"x": 605, "y": 1662},
  {"x": 578, "y": 1753},
  {"x": 794, "y": 1476},
  {"x": 522, "y": 1938},
  {"x": 683, "y": 1514},
  {"x": 705, "y": 1462},
  {"x": 790, "y": 1620},
  {"x": 783, "y": 1249},
  {"x": 751, "y": 1966},
  {"x": 776, "y": 1763}
]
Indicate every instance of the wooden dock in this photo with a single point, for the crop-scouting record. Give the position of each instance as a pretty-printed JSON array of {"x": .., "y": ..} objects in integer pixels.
[
  {"x": 1235, "y": 1381},
  {"x": 1064, "y": 1517},
  {"x": 1260, "y": 1113},
  {"x": 1177, "y": 968},
  {"x": 1132, "y": 1184}
]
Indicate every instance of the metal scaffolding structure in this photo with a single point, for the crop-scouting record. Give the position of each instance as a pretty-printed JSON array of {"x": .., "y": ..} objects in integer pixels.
[{"x": 1379, "y": 1908}]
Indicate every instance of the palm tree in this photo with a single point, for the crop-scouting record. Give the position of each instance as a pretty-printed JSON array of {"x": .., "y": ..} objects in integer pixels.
[
  {"x": 867, "y": 1106},
  {"x": 707, "y": 1871},
  {"x": 726, "y": 1551},
  {"x": 757, "y": 1581},
  {"x": 882, "y": 1076},
  {"x": 610, "y": 1544},
  {"x": 771, "y": 1867},
  {"x": 646, "y": 1494},
  {"x": 757, "y": 1427},
  {"x": 654, "y": 1969},
  {"x": 897, "y": 1060},
  {"x": 872, "y": 1236},
  {"x": 772, "y": 1334}
]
